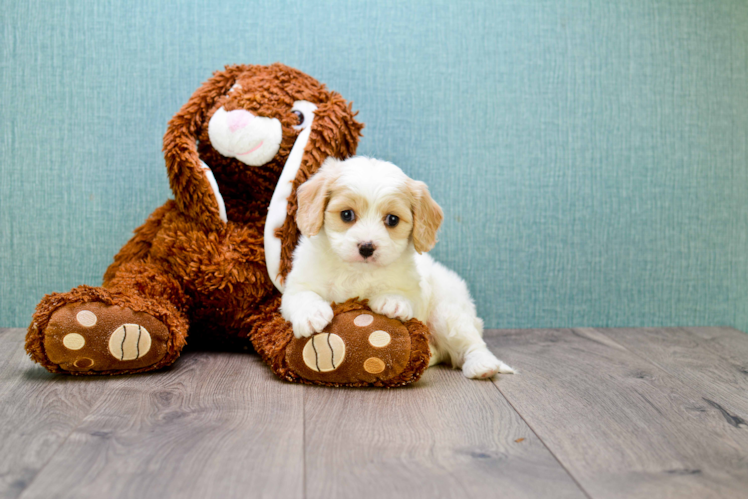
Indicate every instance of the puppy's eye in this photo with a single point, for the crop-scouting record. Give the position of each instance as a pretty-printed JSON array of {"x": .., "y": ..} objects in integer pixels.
[
  {"x": 347, "y": 215},
  {"x": 300, "y": 116},
  {"x": 392, "y": 220}
]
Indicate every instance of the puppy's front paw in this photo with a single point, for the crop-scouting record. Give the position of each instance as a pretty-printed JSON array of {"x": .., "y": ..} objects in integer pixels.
[
  {"x": 483, "y": 364},
  {"x": 311, "y": 319},
  {"x": 392, "y": 306}
]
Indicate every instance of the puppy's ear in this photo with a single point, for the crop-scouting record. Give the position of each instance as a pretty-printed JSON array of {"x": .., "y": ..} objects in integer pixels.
[
  {"x": 313, "y": 196},
  {"x": 427, "y": 216}
]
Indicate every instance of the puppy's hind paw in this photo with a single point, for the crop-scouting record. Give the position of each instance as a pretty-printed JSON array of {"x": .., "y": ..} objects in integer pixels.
[
  {"x": 312, "y": 319},
  {"x": 483, "y": 364}
]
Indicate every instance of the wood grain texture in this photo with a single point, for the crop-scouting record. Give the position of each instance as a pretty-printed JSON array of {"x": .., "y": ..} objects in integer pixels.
[
  {"x": 38, "y": 411},
  {"x": 445, "y": 436},
  {"x": 622, "y": 426},
  {"x": 625, "y": 412},
  {"x": 713, "y": 361},
  {"x": 729, "y": 343},
  {"x": 215, "y": 425}
]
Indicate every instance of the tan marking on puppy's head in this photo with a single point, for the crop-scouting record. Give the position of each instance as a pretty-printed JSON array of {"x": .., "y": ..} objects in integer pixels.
[
  {"x": 399, "y": 206},
  {"x": 313, "y": 197},
  {"x": 369, "y": 210},
  {"x": 340, "y": 199},
  {"x": 427, "y": 216},
  {"x": 368, "y": 220}
]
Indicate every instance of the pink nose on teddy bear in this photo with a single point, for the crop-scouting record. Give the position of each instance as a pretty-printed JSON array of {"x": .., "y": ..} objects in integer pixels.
[{"x": 238, "y": 119}]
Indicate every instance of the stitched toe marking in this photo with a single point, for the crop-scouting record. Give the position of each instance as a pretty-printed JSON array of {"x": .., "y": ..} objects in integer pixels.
[
  {"x": 380, "y": 338},
  {"x": 374, "y": 365},
  {"x": 74, "y": 341},
  {"x": 86, "y": 318},
  {"x": 363, "y": 320},
  {"x": 84, "y": 363}
]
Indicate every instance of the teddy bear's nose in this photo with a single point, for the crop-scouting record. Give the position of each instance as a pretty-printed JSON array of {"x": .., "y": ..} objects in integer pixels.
[{"x": 238, "y": 119}]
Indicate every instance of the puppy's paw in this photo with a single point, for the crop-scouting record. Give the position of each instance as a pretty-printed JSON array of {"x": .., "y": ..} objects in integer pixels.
[
  {"x": 392, "y": 306},
  {"x": 312, "y": 318},
  {"x": 483, "y": 364}
]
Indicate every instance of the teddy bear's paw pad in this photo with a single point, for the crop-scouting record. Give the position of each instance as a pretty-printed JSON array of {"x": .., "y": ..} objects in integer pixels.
[
  {"x": 127, "y": 345},
  {"x": 96, "y": 337},
  {"x": 324, "y": 352},
  {"x": 358, "y": 347}
]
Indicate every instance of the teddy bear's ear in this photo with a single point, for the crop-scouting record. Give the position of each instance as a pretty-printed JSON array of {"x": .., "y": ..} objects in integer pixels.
[
  {"x": 336, "y": 118},
  {"x": 427, "y": 216},
  {"x": 191, "y": 180}
]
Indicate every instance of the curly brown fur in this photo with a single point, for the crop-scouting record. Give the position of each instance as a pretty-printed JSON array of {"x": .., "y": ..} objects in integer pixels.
[
  {"x": 161, "y": 310},
  {"x": 272, "y": 337},
  {"x": 187, "y": 267}
]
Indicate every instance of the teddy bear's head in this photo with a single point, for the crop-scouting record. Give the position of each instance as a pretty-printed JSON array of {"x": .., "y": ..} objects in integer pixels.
[{"x": 244, "y": 142}]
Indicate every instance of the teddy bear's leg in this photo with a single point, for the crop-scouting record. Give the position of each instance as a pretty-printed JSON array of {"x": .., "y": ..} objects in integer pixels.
[
  {"x": 134, "y": 324},
  {"x": 358, "y": 348}
]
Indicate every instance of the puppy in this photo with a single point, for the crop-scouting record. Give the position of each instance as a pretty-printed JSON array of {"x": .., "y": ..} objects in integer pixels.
[{"x": 366, "y": 228}]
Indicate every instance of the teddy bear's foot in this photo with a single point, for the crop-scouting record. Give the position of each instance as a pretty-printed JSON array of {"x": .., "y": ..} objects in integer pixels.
[
  {"x": 357, "y": 346},
  {"x": 360, "y": 348},
  {"x": 96, "y": 337},
  {"x": 96, "y": 331}
]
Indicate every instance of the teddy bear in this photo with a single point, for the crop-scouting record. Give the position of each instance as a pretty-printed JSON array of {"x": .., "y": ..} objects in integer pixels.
[{"x": 211, "y": 262}]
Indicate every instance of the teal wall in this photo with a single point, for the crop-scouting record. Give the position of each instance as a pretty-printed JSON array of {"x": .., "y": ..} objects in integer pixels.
[{"x": 590, "y": 156}]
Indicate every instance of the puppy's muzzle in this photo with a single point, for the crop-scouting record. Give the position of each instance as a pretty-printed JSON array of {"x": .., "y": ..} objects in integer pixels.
[{"x": 366, "y": 249}]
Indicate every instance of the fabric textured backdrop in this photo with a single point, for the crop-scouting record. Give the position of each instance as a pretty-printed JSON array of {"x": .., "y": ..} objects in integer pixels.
[{"x": 590, "y": 156}]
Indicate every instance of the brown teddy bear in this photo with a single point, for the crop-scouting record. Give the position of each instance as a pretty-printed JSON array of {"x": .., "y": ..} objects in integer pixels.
[{"x": 212, "y": 261}]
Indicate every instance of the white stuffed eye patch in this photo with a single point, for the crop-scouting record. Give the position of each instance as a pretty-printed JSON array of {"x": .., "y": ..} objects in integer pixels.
[
  {"x": 277, "y": 211},
  {"x": 231, "y": 132}
]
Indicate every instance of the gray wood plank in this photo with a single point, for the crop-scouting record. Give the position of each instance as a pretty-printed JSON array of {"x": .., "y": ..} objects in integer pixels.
[
  {"x": 445, "y": 436},
  {"x": 215, "y": 425},
  {"x": 13, "y": 335},
  {"x": 621, "y": 426},
  {"x": 11, "y": 352},
  {"x": 712, "y": 361},
  {"x": 38, "y": 411},
  {"x": 726, "y": 341}
]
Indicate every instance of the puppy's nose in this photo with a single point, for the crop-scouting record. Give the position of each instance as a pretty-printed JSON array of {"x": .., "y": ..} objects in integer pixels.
[
  {"x": 238, "y": 119},
  {"x": 366, "y": 249}
]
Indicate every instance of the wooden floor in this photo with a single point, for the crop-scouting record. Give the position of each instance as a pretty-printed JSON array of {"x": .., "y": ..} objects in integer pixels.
[{"x": 591, "y": 413}]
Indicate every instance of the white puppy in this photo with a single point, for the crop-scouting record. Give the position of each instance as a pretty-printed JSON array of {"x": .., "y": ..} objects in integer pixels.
[{"x": 366, "y": 229}]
